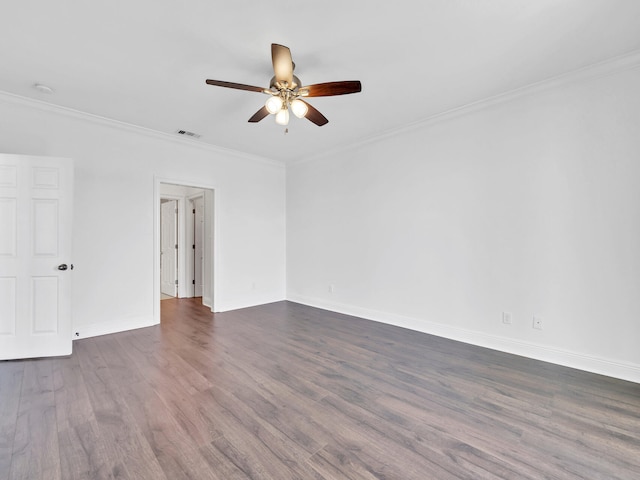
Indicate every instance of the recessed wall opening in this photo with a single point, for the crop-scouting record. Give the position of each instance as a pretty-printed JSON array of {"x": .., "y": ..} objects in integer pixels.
[{"x": 184, "y": 242}]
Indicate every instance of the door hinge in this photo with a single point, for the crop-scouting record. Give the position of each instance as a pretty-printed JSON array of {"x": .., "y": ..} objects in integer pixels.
[
  {"x": 193, "y": 281},
  {"x": 194, "y": 246},
  {"x": 176, "y": 282},
  {"x": 176, "y": 246},
  {"x": 194, "y": 211}
]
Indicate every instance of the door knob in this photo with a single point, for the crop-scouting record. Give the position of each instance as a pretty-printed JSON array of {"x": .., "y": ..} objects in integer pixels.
[{"x": 62, "y": 267}]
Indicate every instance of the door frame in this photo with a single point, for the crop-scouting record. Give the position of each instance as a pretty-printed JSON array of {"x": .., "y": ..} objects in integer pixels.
[{"x": 212, "y": 244}]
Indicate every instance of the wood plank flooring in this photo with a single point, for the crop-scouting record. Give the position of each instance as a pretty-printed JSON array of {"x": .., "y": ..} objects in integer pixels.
[{"x": 284, "y": 391}]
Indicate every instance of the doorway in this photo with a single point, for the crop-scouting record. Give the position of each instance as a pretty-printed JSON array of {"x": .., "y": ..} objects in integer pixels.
[{"x": 184, "y": 242}]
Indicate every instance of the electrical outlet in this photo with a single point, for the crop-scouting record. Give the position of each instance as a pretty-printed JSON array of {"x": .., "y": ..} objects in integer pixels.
[
  {"x": 507, "y": 318},
  {"x": 331, "y": 288},
  {"x": 537, "y": 322}
]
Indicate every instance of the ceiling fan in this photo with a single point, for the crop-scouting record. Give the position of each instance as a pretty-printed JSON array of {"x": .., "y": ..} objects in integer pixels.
[{"x": 285, "y": 91}]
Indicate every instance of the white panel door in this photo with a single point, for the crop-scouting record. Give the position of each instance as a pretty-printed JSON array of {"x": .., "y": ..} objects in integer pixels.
[
  {"x": 35, "y": 253},
  {"x": 198, "y": 241},
  {"x": 169, "y": 248}
]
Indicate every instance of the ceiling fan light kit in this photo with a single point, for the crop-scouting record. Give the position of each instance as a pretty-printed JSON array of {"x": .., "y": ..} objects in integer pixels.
[{"x": 285, "y": 91}]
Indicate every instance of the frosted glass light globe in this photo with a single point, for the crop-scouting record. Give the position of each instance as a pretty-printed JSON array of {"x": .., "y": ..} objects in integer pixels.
[
  {"x": 299, "y": 108},
  {"x": 273, "y": 104},
  {"x": 282, "y": 117}
]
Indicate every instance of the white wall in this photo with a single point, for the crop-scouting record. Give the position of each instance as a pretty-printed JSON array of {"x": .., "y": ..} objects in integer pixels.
[
  {"x": 116, "y": 168},
  {"x": 530, "y": 206}
]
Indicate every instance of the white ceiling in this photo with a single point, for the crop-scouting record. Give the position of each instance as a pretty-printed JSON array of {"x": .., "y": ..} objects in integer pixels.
[{"x": 144, "y": 62}]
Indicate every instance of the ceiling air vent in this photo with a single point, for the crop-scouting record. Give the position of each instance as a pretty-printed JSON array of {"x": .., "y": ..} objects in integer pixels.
[{"x": 188, "y": 134}]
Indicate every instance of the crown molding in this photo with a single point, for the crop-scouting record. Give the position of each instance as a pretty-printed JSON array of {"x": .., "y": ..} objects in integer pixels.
[
  {"x": 607, "y": 67},
  {"x": 610, "y": 66},
  {"x": 7, "y": 97}
]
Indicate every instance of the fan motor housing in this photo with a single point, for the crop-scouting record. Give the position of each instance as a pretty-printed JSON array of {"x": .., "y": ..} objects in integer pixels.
[{"x": 296, "y": 82}]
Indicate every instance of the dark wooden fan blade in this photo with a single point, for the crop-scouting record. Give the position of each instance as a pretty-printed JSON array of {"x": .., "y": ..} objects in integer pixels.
[
  {"x": 259, "y": 115},
  {"x": 282, "y": 64},
  {"x": 314, "y": 115},
  {"x": 238, "y": 86},
  {"x": 330, "y": 89}
]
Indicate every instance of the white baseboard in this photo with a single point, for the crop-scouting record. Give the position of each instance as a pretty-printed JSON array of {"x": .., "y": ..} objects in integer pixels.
[
  {"x": 121, "y": 325},
  {"x": 227, "y": 307},
  {"x": 206, "y": 301},
  {"x": 588, "y": 363}
]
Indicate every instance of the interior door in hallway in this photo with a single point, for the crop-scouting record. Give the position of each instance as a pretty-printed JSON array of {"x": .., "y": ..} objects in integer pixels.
[
  {"x": 35, "y": 254},
  {"x": 198, "y": 246},
  {"x": 169, "y": 248}
]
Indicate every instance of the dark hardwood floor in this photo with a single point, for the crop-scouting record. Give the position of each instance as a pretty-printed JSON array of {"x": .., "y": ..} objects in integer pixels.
[{"x": 285, "y": 391}]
